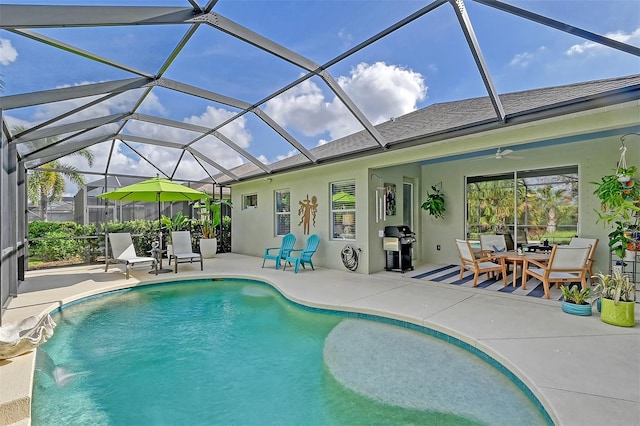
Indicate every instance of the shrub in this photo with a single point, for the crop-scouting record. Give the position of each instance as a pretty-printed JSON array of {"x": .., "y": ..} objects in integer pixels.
[{"x": 59, "y": 246}]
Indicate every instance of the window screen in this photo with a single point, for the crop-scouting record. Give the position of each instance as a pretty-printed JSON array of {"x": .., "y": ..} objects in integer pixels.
[
  {"x": 283, "y": 212},
  {"x": 343, "y": 210},
  {"x": 249, "y": 201}
]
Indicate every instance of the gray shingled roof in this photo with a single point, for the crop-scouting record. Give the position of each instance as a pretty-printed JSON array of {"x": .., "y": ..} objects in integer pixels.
[{"x": 446, "y": 120}]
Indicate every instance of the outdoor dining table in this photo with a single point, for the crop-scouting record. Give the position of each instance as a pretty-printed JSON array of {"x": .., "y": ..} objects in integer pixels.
[{"x": 521, "y": 259}]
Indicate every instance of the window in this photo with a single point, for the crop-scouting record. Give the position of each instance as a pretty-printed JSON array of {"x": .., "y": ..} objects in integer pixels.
[
  {"x": 283, "y": 212},
  {"x": 249, "y": 201},
  {"x": 530, "y": 206},
  {"x": 343, "y": 210}
]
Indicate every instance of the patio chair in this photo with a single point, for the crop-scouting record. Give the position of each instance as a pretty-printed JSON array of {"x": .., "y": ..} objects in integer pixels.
[
  {"x": 123, "y": 252},
  {"x": 584, "y": 242},
  {"x": 288, "y": 241},
  {"x": 182, "y": 250},
  {"x": 566, "y": 265},
  {"x": 508, "y": 238},
  {"x": 479, "y": 266},
  {"x": 492, "y": 244},
  {"x": 304, "y": 255}
]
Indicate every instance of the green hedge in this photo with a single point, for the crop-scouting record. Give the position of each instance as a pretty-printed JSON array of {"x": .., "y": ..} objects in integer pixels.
[{"x": 60, "y": 246}]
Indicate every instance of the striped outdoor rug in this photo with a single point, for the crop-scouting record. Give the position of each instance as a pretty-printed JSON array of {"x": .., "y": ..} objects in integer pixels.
[{"x": 450, "y": 274}]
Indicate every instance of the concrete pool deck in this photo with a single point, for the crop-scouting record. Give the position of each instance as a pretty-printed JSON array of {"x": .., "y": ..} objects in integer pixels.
[{"x": 584, "y": 372}]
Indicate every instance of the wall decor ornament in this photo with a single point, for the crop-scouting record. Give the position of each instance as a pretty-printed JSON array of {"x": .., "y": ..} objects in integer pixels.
[
  {"x": 307, "y": 212},
  {"x": 390, "y": 198}
]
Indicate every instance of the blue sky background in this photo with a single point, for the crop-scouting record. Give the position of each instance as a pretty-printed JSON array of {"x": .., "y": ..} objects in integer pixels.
[{"x": 425, "y": 62}]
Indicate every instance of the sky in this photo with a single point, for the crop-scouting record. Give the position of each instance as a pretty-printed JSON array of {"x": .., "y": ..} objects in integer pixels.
[{"x": 423, "y": 63}]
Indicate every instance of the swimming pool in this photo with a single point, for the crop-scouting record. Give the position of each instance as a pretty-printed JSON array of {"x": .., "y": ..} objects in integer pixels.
[{"x": 236, "y": 352}]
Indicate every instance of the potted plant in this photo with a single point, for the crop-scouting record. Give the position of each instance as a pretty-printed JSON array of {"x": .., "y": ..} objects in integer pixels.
[
  {"x": 617, "y": 297},
  {"x": 434, "y": 204},
  {"x": 179, "y": 222},
  {"x": 619, "y": 206},
  {"x": 575, "y": 300},
  {"x": 209, "y": 241}
]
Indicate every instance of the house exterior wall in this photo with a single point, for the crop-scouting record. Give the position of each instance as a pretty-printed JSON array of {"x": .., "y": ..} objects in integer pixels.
[{"x": 590, "y": 140}]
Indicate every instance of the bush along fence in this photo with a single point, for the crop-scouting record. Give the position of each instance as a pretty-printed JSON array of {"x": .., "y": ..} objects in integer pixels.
[{"x": 67, "y": 243}]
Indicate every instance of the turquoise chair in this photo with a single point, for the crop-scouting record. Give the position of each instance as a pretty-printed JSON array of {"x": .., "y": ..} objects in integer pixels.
[
  {"x": 283, "y": 251},
  {"x": 305, "y": 254}
]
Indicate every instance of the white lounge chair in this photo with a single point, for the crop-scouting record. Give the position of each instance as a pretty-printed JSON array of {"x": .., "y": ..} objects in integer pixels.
[
  {"x": 182, "y": 250},
  {"x": 123, "y": 252}
]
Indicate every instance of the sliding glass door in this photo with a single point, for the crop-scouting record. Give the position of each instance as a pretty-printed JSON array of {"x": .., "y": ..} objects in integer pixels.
[{"x": 527, "y": 206}]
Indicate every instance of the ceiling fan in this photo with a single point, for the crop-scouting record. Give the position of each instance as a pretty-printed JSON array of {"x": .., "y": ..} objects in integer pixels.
[{"x": 506, "y": 153}]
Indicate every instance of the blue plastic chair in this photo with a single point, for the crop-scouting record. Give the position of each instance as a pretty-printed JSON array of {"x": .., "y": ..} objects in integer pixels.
[
  {"x": 283, "y": 251},
  {"x": 305, "y": 254}
]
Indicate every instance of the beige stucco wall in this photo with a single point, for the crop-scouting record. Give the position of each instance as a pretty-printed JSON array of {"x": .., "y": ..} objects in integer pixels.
[
  {"x": 593, "y": 159},
  {"x": 594, "y": 147}
]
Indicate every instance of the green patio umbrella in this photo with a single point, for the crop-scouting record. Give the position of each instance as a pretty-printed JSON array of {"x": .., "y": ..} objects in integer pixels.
[
  {"x": 343, "y": 197},
  {"x": 156, "y": 189}
]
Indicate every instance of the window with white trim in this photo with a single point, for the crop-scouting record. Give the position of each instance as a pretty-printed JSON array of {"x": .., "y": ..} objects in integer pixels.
[
  {"x": 343, "y": 210},
  {"x": 282, "y": 200}
]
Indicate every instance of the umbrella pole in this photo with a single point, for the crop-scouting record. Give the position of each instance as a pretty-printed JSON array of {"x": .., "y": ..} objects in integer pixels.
[
  {"x": 159, "y": 269},
  {"x": 159, "y": 226}
]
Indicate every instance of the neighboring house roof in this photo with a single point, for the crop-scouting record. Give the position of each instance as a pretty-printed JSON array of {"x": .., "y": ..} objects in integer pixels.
[
  {"x": 114, "y": 182},
  {"x": 451, "y": 119}
]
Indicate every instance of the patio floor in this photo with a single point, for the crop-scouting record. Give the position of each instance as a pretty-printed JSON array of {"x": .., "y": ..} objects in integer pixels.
[{"x": 584, "y": 371}]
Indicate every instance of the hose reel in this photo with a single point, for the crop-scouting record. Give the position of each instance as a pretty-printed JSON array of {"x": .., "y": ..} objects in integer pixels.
[{"x": 349, "y": 255}]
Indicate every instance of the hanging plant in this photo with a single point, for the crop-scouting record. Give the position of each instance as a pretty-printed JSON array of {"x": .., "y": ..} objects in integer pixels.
[
  {"x": 434, "y": 203},
  {"x": 619, "y": 195}
]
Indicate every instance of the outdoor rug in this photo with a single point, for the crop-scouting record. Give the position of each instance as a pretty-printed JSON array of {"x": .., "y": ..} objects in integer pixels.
[{"x": 450, "y": 274}]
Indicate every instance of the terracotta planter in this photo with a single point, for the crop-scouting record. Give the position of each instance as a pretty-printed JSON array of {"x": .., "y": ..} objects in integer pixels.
[
  {"x": 208, "y": 247},
  {"x": 622, "y": 315}
]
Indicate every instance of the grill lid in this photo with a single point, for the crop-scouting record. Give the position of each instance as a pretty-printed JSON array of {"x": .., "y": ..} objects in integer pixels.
[{"x": 398, "y": 231}]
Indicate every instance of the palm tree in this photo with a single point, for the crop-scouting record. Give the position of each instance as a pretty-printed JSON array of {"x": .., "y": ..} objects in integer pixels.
[
  {"x": 551, "y": 203},
  {"x": 48, "y": 183}
]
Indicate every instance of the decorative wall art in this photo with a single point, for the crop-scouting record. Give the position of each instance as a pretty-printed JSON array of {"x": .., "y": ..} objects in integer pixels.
[
  {"x": 390, "y": 198},
  {"x": 307, "y": 212}
]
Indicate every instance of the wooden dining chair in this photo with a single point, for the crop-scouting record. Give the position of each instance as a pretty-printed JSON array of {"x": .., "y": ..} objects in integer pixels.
[
  {"x": 584, "y": 242},
  {"x": 566, "y": 265},
  {"x": 479, "y": 266}
]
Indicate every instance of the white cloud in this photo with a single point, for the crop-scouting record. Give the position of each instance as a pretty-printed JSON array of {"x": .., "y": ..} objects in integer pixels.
[
  {"x": 8, "y": 53},
  {"x": 521, "y": 60},
  {"x": 524, "y": 59},
  {"x": 120, "y": 103},
  {"x": 589, "y": 47},
  {"x": 123, "y": 161},
  {"x": 380, "y": 91},
  {"x": 236, "y": 130},
  {"x": 346, "y": 37}
]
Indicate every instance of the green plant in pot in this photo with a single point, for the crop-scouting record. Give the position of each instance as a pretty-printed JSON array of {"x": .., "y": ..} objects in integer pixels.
[
  {"x": 212, "y": 211},
  {"x": 619, "y": 195},
  {"x": 434, "y": 204},
  {"x": 575, "y": 300},
  {"x": 179, "y": 222},
  {"x": 617, "y": 298}
]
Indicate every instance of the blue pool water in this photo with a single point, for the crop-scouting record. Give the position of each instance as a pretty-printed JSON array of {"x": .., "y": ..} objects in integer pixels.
[{"x": 236, "y": 352}]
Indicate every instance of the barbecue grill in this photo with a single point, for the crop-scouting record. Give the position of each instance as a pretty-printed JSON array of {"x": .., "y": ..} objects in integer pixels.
[{"x": 398, "y": 243}]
